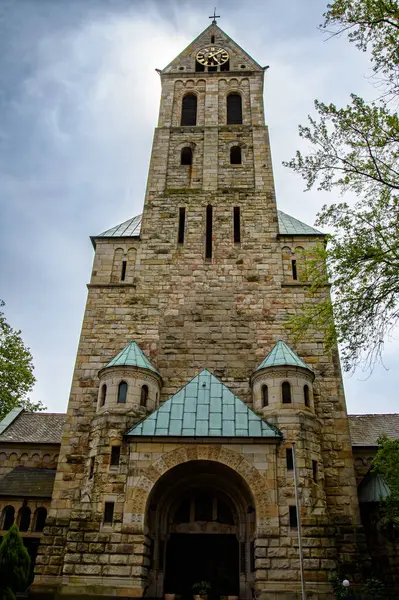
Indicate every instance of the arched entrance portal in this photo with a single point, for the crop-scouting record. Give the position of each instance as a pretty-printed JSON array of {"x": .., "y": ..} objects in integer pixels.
[{"x": 201, "y": 523}]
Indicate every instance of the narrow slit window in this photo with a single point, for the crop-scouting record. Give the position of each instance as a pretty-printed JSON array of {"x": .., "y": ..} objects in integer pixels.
[
  {"x": 212, "y": 39},
  {"x": 144, "y": 395},
  {"x": 289, "y": 459},
  {"x": 234, "y": 109},
  {"x": 186, "y": 157},
  {"x": 199, "y": 67},
  {"x": 315, "y": 471},
  {"x": 265, "y": 396},
  {"x": 293, "y": 517},
  {"x": 115, "y": 456},
  {"x": 235, "y": 155},
  {"x": 237, "y": 225},
  {"x": 294, "y": 270},
  {"x": 109, "y": 512},
  {"x": 286, "y": 391},
  {"x": 189, "y": 110},
  {"x": 91, "y": 467},
  {"x": 182, "y": 224},
  {"x": 208, "y": 233},
  {"x": 122, "y": 392},
  {"x": 123, "y": 271},
  {"x": 103, "y": 394},
  {"x": 306, "y": 395}
]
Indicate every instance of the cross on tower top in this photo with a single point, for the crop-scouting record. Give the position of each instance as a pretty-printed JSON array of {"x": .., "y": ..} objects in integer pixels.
[{"x": 214, "y": 17}]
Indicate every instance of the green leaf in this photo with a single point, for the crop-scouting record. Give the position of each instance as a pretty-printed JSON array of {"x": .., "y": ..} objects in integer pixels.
[{"x": 16, "y": 370}]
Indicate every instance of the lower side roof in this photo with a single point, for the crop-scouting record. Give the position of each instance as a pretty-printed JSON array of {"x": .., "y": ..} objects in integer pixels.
[{"x": 28, "y": 481}]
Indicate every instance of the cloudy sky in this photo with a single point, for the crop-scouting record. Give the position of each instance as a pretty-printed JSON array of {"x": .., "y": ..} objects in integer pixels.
[{"x": 78, "y": 104}]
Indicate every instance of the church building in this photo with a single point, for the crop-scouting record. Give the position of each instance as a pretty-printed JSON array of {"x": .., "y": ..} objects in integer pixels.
[{"x": 176, "y": 458}]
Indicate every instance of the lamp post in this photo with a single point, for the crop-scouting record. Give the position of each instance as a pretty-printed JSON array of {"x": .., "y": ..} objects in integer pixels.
[
  {"x": 346, "y": 585},
  {"x": 298, "y": 514}
]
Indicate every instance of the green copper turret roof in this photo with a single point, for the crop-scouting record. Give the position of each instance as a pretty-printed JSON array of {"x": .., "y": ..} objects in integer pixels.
[
  {"x": 204, "y": 407},
  {"x": 282, "y": 355},
  {"x": 373, "y": 488},
  {"x": 131, "y": 356}
]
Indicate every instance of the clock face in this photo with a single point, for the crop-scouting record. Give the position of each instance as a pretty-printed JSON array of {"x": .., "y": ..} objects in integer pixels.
[{"x": 213, "y": 56}]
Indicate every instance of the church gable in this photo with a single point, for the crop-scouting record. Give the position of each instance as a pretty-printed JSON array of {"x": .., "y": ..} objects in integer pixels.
[
  {"x": 212, "y": 37},
  {"x": 205, "y": 407}
]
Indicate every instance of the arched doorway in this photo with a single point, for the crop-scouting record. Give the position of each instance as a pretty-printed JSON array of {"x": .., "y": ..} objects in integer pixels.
[{"x": 201, "y": 522}]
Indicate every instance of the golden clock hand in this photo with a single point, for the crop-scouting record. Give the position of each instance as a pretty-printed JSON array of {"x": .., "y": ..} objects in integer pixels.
[{"x": 214, "y": 53}]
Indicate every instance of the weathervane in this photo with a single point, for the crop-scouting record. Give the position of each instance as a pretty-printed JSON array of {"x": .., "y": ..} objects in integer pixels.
[{"x": 214, "y": 17}]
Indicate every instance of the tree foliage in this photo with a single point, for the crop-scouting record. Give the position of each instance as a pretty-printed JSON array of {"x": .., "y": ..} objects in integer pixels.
[
  {"x": 386, "y": 463},
  {"x": 356, "y": 149},
  {"x": 371, "y": 25},
  {"x": 14, "y": 564},
  {"x": 16, "y": 370}
]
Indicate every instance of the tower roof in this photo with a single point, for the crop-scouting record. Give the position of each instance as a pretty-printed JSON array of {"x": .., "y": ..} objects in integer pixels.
[
  {"x": 282, "y": 355},
  {"x": 287, "y": 225},
  {"x": 203, "y": 39},
  {"x": 131, "y": 356},
  {"x": 204, "y": 407}
]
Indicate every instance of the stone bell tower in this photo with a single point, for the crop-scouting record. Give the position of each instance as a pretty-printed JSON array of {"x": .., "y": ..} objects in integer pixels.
[{"x": 187, "y": 392}]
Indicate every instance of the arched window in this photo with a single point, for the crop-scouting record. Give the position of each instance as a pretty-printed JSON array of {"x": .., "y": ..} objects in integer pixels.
[
  {"x": 265, "y": 396},
  {"x": 189, "y": 110},
  {"x": 41, "y": 515},
  {"x": 103, "y": 394},
  {"x": 186, "y": 157},
  {"x": 7, "y": 517},
  {"x": 234, "y": 109},
  {"x": 306, "y": 395},
  {"x": 144, "y": 395},
  {"x": 286, "y": 390},
  {"x": 24, "y": 518},
  {"x": 235, "y": 155},
  {"x": 122, "y": 392}
]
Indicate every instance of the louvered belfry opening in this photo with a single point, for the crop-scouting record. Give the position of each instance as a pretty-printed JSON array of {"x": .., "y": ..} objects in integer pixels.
[
  {"x": 189, "y": 110},
  {"x": 234, "y": 109}
]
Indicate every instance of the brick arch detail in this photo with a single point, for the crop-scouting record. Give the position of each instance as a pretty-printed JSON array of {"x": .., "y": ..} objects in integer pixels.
[{"x": 256, "y": 482}]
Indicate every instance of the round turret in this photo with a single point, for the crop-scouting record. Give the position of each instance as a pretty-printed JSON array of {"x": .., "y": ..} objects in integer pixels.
[
  {"x": 129, "y": 381},
  {"x": 282, "y": 381}
]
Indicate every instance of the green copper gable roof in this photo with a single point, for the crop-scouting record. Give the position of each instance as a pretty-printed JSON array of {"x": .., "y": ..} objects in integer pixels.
[
  {"x": 282, "y": 355},
  {"x": 204, "y": 407},
  {"x": 288, "y": 225},
  {"x": 131, "y": 356},
  {"x": 129, "y": 228},
  {"x": 373, "y": 488}
]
